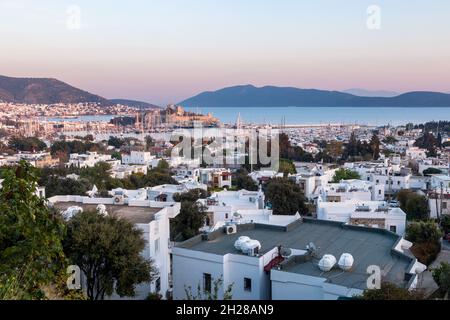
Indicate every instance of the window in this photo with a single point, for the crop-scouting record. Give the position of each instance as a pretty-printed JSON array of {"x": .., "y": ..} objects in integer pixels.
[
  {"x": 157, "y": 246},
  {"x": 378, "y": 181},
  {"x": 207, "y": 282},
  {"x": 379, "y": 191},
  {"x": 398, "y": 182},
  {"x": 226, "y": 215},
  {"x": 393, "y": 228},
  {"x": 247, "y": 284},
  {"x": 444, "y": 205},
  {"x": 158, "y": 285}
]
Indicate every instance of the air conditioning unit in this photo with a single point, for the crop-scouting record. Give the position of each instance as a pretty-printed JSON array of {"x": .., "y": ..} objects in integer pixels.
[
  {"x": 118, "y": 199},
  {"x": 231, "y": 229}
]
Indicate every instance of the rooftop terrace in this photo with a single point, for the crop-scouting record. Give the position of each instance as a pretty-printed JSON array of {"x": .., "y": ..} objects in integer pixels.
[
  {"x": 368, "y": 246},
  {"x": 133, "y": 214}
]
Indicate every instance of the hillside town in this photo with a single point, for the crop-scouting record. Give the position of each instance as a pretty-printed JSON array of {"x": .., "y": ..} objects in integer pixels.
[{"x": 341, "y": 200}]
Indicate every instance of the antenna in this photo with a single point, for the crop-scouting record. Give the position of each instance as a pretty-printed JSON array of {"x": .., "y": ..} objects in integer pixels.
[{"x": 311, "y": 247}]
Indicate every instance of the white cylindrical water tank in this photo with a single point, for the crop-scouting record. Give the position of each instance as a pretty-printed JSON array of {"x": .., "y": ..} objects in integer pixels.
[
  {"x": 238, "y": 243},
  {"x": 346, "y": 261},
  {"x": 250, "y": 246},
  {"x": 327, "y": 262},
  {"x": 71, "y": 211}
]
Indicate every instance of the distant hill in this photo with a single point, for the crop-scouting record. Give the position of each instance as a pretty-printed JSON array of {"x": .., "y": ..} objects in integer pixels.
[
  {"x": 271, "y": 96},
  {"x": 371, "y": 93},
  {"x": 43, "y": 91},
  {"x": 134, "y": 103}
]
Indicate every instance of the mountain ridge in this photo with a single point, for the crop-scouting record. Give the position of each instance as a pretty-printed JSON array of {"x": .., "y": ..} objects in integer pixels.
[
  {"x": 273, "y": 96},
  {"x": 30, "y": 90},
  {"x": 43, "y": 91}
]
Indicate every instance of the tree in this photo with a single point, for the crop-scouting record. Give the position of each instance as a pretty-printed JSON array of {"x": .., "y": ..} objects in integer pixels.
[
  {"x": 334, "y": 149},
  {"x": 190, "y": 219},
  {"x": 375, "y": 146},
  {"x": 415, "y": 205},
  {"x": 389, "y": 140},
  {"x": 108, "y": 251},
  {"x": 243, "y": 181},
  {"x": 429, "y": 142},
  {"x": 286, "y": 167},
  {"x": 445, "y": 223},
  {"x": 430, "y": 171},
  {"x": 149, "y": 142},
  {"x": 116, "y": 155},
  {"x": 116, "y": 142},
  {"x": 441, "y": 276},
  {"x": 285, "y": 197},
  {"x": 425, "y": 236},
  {"x": 31, "y": 236},
  {"x": 390, "y": 291},
  {"x": 423, "y": 231},
  {"x": 439, "y": 141},
  {"x": 345, "y": 174},
  {"x": 55, "y": 185},
  {"x": 191, "y": 195},
  {"x": 30, "y": 144}
]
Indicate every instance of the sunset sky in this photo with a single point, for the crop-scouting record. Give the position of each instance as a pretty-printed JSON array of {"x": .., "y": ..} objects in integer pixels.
[{"x": 164, "y": 51}]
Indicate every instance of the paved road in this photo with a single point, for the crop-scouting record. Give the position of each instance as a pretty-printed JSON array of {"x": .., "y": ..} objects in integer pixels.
[{"x": 446, "y": 245}]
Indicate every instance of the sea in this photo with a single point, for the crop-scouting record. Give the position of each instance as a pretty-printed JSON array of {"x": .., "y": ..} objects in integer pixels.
[{"x": 372, "y": 116}]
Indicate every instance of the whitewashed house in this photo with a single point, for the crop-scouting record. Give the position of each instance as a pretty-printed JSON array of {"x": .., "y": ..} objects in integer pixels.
[
  {"x": 151, "y": 217},
  {"x": 137, "y": 158},
  {"x": 375, "y": 214},
  {"x": 264, "y": 262}
]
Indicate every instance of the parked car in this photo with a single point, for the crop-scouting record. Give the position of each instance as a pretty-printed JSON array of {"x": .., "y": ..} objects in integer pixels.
[{"x": 394, "y": 204}]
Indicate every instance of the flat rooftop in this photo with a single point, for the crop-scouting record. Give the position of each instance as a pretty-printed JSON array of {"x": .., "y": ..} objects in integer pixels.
[
  {"x": 132, "y": 214},
  {"x": 368, "y": 246}
]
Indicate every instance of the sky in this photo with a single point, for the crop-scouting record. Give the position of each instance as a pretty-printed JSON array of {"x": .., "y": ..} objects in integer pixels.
[{"x": 164, "y": 51}]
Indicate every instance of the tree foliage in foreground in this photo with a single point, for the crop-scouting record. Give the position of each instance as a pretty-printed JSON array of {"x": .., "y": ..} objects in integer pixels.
[
  {"x": 425, "y": 236},
  {"x": 108, "y": 251},
  {"x": 31, "y": 251},
  {"x": 441, "y": 276}
]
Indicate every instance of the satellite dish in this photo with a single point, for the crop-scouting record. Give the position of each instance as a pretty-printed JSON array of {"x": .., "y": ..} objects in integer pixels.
[
  {"x": 285, "y": 252},
  {"x": 311, "y": 247}
]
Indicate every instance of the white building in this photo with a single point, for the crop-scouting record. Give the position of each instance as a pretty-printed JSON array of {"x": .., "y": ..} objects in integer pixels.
[
  {"x": 375, "y": 214},
  {"x": 137, "y": 158},
  {"x": 310, "y": 178},
  {"x": 149, "y": 216},
  {"x": 433, "y": 163},
  {"x": 90, "y": 159},
  {"x": 439, "y": 202},
  {"x": 185, "y": 172},
  {"x": 274, "y": 262},
  {"x": 165, "y": 192},
  {"x": 124, "y": 170},
  {"x": 263, "y": 176},
  {"x": 415, "y": 153},
  {"x": 215, "y": 177},
  {"x": 438, "y": 181},
  {"x": 350, "y": 190}
]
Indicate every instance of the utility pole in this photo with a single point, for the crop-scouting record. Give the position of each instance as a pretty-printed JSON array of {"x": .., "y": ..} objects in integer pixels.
[
  {"x": 436, "y": 198},
  {"x": 442, "y": 195}
]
